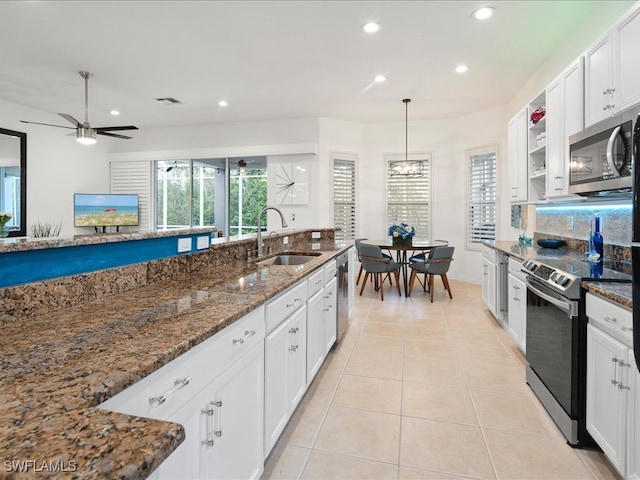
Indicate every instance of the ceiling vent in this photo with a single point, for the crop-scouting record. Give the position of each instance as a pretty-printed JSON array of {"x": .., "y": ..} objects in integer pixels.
[{"x": 168, "y": 101}]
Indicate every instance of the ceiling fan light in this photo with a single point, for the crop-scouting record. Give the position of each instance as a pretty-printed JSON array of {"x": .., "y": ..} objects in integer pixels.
[{"x": 86, "y": 136}]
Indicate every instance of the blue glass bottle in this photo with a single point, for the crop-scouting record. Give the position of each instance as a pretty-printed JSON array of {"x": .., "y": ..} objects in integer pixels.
[{"x": 596, "y": 239}]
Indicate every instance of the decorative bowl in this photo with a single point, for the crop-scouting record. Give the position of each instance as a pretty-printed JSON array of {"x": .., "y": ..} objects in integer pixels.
[{"x": 550, "y": 243}]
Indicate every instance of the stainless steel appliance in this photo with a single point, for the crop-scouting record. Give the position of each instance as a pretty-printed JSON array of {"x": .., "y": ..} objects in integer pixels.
[
  {"x": 342, "y": 264},
  {"x": 635, "y": 240},
  {"x": 601, "y": 158},
  {"x": 556, "y": 333}
]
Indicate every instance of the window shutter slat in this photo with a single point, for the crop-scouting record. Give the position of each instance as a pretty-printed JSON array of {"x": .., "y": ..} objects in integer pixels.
[{"x": 344, "y": 199}]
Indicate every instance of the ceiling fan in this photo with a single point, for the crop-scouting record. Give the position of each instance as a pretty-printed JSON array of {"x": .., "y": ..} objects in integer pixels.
[{"x": 85, "y": 133}]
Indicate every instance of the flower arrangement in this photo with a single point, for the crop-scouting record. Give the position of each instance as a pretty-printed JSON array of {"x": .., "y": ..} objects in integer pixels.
[
  {"x": 538, "y": 114},
  {"x": 4, "y": 218},
  {"x": 401, "y": 230}
]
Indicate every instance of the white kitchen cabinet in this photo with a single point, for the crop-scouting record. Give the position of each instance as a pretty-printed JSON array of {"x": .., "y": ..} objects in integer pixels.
[
  {"x": 612, "y": 383},
  {"x": 321, "y": 327},
  {"x": 633, "y": 436},
  {"x": 517, "y": 304},
  {"x": 606, "y": 402},
  {"x": 537, "y": 151},
  {"x": 612, "y": 74},
  {"x": 564, "y": 97},
  {"x": 223, "y": 426},
  {"x": 518, "y": 158},
  {"x": 285, "y": 374},
  {"x": 489, "y": 273},
  {"x": 494, "y": 283}
]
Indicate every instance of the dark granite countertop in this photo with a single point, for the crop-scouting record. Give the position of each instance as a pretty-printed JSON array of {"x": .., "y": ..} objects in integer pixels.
[
  {"x": 619, "y": 293},
  {"x": 57, "y": 368}
]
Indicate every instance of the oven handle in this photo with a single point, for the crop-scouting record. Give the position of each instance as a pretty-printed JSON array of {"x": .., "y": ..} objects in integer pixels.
[{"x": 565, "y": 307}]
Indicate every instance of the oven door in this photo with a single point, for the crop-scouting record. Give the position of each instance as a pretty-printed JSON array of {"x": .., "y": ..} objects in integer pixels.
[{"x": 553, "y": 342}]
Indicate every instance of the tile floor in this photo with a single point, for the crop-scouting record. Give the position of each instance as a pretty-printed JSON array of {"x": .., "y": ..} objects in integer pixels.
[{"x": 426, "y": 391}]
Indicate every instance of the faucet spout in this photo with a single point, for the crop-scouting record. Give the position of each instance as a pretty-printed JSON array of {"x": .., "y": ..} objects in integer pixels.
[{"x": 259, "y": 236}]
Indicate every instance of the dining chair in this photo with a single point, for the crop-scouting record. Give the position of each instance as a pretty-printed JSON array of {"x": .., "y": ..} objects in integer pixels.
[
  {"x": 422, "y": 255},
  {"x": 358, "y": 242},
  {"x": 437, "y": 263},
  {"x": 376, "y": 264}
]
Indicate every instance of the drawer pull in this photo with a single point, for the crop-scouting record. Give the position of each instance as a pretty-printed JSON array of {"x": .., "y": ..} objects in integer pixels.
[
  {"x": 247, "y": 334},
  {"x": 318, "y": 282},
  {"x": 611, "y": 319},
  {"x": 179, "y": 383},
  {"x": 626, "y": 329},
  {"x": 293, "y": 348},
  {"x": 294, "y": 330}
]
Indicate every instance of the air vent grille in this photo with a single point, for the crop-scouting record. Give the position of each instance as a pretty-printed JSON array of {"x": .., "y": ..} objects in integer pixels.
[{"x": 168, "y": 101}]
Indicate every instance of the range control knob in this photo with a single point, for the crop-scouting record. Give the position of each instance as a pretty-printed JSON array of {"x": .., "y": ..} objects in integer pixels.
[{"x": 564, "y": 280}]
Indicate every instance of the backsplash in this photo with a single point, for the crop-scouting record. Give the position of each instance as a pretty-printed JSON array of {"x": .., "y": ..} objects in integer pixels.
[{"x": 573, "y": 223}]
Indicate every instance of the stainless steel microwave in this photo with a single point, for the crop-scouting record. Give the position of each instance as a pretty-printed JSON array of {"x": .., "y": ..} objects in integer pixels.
[{"x": 601, "y": 157}]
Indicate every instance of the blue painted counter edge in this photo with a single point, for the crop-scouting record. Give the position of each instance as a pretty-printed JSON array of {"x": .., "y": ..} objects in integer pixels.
[{"x": 29, "y": 266}]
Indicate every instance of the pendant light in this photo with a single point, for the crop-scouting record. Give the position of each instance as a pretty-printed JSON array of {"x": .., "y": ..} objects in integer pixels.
[{"x": 406, "y": 168}]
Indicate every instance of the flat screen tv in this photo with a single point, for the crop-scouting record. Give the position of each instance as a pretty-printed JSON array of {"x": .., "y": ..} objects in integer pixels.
[{"x": 105, "y": 210}]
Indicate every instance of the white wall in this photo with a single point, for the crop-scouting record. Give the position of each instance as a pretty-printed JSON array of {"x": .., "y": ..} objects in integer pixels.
[{"x": 57, "y": 165}]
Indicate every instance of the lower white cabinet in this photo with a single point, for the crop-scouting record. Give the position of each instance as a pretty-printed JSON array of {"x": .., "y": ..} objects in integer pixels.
[
  {"x": 223, "y": 425},
  {"x": 216, "y": 391},
  {"x": 285, "y": 374},
  {"x": 321, "y": 327},
  {"x": 613, "y": 385},
  {"x": 517, "y": 304}
]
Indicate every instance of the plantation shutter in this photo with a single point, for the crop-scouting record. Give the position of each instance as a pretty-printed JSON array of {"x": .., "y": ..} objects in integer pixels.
[
  {"x": 409, "y": 197},
  {"x": 344, "y": 198},
  {"x": 481, "y": 196},
  {"x": 134, "y": 178}
]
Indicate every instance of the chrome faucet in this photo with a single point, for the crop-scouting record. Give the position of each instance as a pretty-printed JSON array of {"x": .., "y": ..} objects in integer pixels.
[{"x": 259, "y": 237}]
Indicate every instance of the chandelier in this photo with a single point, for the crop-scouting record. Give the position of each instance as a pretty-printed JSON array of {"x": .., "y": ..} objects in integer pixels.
[{"x": 406, "y": 168}]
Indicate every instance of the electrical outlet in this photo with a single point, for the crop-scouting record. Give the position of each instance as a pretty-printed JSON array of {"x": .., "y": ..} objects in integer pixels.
[
  {"x": 285, "y": 240},
  {"x": 315, "y": 234},
  {"x": 184, "y": 245},
  {"x": 202, "y": 242},
  {"x": 315, "y": 246},
  {"x": 569, "y": 223}
]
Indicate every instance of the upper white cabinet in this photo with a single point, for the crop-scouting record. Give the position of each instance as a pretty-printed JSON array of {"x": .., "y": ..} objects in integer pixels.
[
  {"x": 612, "y": 73},
  {"x": 517, "y": 150},
  {"x": 564, "y": 118},
  {"x": 537, "y": 150}
]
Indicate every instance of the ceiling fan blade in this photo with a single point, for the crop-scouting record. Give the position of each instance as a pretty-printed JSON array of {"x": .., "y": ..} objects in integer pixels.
[
  {"x": 47, "y": 124},
  {"x": 69, "y": 118},
  {"x": 115, "y": 135},
  {"x": 109, "y": 129}
]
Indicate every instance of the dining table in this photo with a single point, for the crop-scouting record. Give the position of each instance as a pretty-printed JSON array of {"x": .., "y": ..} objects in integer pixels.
[{"x": 402, "y": 252}]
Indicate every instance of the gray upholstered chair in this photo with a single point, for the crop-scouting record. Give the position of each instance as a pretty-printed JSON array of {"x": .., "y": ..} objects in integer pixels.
[
  {"x": 437, "y": 263},
  {"x": 358, "y": 242},
  {"x": 379, "y": 266}
]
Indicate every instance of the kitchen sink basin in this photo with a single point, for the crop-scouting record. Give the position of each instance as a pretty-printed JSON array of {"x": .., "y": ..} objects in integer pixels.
[{"x": 289, "y": 259}]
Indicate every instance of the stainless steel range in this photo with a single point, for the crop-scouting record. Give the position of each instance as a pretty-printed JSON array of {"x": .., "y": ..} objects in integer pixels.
[{"x": 556, "y": 337}]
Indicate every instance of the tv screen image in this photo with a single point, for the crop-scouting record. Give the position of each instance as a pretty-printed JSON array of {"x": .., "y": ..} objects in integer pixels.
[{"x": 105, "y": 210}]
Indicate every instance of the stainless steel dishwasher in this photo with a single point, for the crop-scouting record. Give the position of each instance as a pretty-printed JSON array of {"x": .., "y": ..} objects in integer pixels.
[{"x": 342, "y": 272}]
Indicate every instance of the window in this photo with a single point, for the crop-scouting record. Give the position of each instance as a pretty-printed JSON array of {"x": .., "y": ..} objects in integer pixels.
[
  {"x": 344, "y": 196},
  {"x": 247, "y": 196},
  {"x": 481, "y": 195},
  {"x": 409, "y": 196}
]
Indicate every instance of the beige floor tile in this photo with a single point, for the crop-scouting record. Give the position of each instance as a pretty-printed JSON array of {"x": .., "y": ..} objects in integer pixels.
[
  {"x": 304, "y": 425},
  {"x": 337, "y": 360},
  {"x": 285, "y": 462},
  {"x": 377, "y": 365},
  {"x": 374, "y": 344},
  {"x": 383, "y": 329},
  {"x": 360, "y": 433},
  {"x": 598, "y": 465},
  {"x": 428, "y": 348},
  {"x": 433, "y": 370},
  {"x": 377, "y": 394},
  {"x": 419, "y": 332},
  {"x": 496, "y": 377},
  {"x": 444, "y": 447},
  {"x": 519, "y": 455},
  {"x": 325, "y": 466},
  {"x": 511, "y": 412},
  {"x": 323, "y": 386},
  {"x": 408, "y": 473},
  {"x": 436, "y": 402}
]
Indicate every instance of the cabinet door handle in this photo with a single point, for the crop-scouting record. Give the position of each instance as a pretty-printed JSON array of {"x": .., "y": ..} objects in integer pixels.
[
  {"x": 614, "y": 378},
  {"x": 294, "y": 348},
  {"x": 626, "y": 329},
  {"x": 247, "y": 334},
  {"x": 611, "y": 319},
  {"x": 294, "y": 330},
  {"x": 179, "y": 383}
]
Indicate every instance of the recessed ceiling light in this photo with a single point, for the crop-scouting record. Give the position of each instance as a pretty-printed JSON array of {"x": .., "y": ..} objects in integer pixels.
[
  {"x": 380, "y": 78},
  {"x": 371, "y": 27},
  {"x": 461, "y": 68},
  {"x": 483, "y": 13},
  {"x": 115, "y": 113},
  {"x": 222, "y": 103}
]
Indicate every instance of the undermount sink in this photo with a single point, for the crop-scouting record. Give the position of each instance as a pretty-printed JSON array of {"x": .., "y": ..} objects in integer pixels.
[{"x": 289, "y": 259}]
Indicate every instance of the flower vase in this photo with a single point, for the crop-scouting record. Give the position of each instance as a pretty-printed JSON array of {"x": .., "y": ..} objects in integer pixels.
[
  {"x": 402, "y": 242},
  {"x": 4, "y": 231}
]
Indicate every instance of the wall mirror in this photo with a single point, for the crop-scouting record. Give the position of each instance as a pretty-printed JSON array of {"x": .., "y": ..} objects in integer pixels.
[{"x": 13, "y": 180}]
